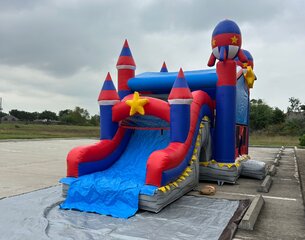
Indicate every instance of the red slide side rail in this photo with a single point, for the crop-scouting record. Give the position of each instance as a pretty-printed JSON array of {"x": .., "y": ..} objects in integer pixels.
[
  {"x": 175, "y": 152},
  {"x": 91, "y": 153}
]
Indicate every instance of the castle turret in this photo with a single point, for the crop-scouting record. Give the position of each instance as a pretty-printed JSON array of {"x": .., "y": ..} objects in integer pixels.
[
  {"x": 180, "y": 99},
  {"x": 107, "y": 98},
  {"x": 164, "y": 68},
  {"x": 126, "y": 70}
]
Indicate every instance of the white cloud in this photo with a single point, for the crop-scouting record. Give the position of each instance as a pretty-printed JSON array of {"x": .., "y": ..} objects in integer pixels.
[{"x": 55, "y": 54}]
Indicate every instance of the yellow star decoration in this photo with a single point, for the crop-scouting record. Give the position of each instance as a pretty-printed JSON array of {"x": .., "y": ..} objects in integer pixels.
[
  {"x": 245, "y": 65},
  {"x": 214, "y": 42},
  {"x": 136, "y": 104},
  {"x": 250, "y": 77},
  {"x": 234, "y": 39}
]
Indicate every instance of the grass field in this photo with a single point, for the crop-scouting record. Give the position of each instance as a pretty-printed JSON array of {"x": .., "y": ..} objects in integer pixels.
[
  {"x": 34, "y": 131},
  {"x": 273, "y": 140}
]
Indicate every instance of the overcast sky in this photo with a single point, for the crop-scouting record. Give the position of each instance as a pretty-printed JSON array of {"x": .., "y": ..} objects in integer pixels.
[{"x": 55, "y": 54}]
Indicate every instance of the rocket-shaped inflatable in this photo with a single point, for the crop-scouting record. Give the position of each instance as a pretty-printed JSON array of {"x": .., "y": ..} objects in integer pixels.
[
  {"x": 226, "y": 46},
  {"x": 247, "y": 68},
  {"x": 226, "y": 42},
  {"x": 249, "y": 61}
]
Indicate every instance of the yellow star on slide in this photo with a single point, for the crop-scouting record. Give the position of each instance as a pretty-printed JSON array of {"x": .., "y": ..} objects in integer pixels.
[{"x": 136, "y": 104}]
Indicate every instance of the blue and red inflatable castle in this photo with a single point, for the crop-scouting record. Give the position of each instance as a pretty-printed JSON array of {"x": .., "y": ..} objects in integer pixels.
[{"x": 162, "y": 132}]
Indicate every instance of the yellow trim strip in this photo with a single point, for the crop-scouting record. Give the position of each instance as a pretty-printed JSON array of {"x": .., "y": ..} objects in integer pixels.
[
  {"x": 188, "y": 170},
  {"x": 228, "y": 165}
]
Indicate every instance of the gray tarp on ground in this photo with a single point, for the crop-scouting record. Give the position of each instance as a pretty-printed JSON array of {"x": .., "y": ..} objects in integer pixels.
[{"x": 36, "y": 215}]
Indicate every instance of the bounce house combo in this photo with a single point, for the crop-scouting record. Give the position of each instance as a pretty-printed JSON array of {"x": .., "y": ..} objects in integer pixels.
[{"x": 164, "y": 131}]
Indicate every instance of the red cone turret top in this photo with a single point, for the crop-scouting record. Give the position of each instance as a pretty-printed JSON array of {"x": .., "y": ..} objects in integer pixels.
[
  {"x": 164, "y": 68},
  {"x": 180, "y": 93},
  {"x": 126, "y": 58},
  {"x": 108, "y": 92}
]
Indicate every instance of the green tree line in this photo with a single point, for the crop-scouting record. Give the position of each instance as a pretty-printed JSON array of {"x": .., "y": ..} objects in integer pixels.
[
  {"x": 263, "y": 118},
  {"x": 77, "y": 116},
  {"x": 274, "y": 121}
]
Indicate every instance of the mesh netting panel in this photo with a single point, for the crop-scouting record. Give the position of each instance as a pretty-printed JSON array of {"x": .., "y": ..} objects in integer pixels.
[{"x": 144, "y": 122}]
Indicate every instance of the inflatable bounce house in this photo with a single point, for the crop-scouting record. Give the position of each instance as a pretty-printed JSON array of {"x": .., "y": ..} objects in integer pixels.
[{"x": 162, "y": 132}]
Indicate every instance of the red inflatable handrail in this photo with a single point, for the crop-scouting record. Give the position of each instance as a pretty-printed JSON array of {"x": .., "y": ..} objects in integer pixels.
[
  {"x": 170, "y": 157},
  {"x": 91, "y": 153}
]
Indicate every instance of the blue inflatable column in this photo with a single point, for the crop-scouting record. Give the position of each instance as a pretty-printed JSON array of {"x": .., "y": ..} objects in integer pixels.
[
  {"x": 180, "y": 99},
  {"x": 126, "y": 69},
  {"x": 225, "y": 112},
  {"x": 107, "y": 99}
]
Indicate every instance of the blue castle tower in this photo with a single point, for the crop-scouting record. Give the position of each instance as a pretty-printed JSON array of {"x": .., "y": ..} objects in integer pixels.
[
  {"x": 180, "y": 99},
  {"x": 107, "y": 98}
]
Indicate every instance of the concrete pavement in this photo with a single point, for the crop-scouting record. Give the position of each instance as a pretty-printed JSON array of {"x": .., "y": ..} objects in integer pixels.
[
  {"x": 282, "y": 216},
  {"x": 30, "y": 165}
]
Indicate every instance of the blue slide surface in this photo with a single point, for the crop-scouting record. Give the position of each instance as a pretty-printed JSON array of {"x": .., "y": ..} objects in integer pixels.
[{"x": 115, "y": 191}]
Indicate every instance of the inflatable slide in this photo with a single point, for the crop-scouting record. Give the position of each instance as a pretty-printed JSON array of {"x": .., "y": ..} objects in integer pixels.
[{"x": 149, "y": 161}]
